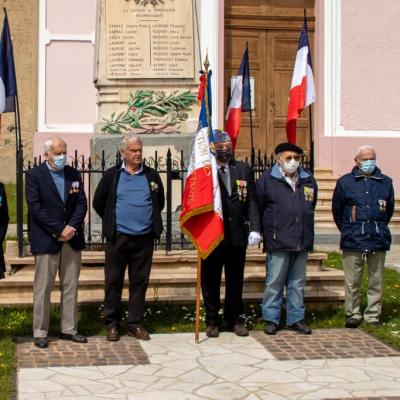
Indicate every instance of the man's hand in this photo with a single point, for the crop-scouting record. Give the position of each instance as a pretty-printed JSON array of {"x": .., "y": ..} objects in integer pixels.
[
  {"x": 254, "y": 238},
  {"x": 67, "y": 234}
]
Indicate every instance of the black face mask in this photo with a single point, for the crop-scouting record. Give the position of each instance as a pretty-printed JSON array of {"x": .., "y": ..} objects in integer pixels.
[{"x": 223, "y": 155}]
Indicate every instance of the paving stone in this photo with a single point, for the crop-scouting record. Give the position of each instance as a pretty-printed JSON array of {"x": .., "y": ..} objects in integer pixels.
[
  {"x": 287, "y": 366},
  {"x": 63, "y": 353},
  {"x": 324, "y": 343}
]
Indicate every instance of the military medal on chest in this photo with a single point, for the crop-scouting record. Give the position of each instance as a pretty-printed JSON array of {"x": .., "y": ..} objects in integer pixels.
[
  {"x": 382, "y": 205},
  {"x": 308, "y": 193},
  {"x": 242, "y": 189}
]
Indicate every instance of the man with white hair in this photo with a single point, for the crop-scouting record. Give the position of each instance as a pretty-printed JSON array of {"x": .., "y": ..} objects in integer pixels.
[
  {"x": 129, "y": 199},
  {"x": 362, "y": 206},
  {"x": 57, "y": 208}
]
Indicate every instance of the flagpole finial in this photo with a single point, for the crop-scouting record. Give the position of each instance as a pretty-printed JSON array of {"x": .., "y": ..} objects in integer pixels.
[{"x": 206, "y": 63}]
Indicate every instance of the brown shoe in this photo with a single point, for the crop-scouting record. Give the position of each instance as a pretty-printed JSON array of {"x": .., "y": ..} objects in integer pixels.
[
  {"x": 139, "y": 332},
  {"x": 112, "y": 334},
  {"x": 212, "y": 331},
  {"x": 240, "y": 330}
]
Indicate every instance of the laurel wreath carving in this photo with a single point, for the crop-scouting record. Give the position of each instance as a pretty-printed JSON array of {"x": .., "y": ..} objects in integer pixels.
[
  {"x": 150, "y": 103},
  {"x": 154, "y": 3}
]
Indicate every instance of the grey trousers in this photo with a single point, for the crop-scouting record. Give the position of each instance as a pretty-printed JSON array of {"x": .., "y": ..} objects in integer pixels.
[
  {"x": 353, "y": 263},
  {"x": 68, "y": 264}
]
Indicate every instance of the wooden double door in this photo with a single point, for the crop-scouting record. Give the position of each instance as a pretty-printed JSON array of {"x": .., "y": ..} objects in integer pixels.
[{"x": 272, "y": 30}]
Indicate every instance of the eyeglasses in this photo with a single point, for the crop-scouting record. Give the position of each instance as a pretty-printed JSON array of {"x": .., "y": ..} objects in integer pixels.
[{"x": 296, "y": 158}]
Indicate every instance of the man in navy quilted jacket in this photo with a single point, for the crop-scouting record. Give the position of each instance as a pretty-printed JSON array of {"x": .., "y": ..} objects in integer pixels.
[
  {"x": 362, "y": 206},
  {"x": 287, "y": 195}
]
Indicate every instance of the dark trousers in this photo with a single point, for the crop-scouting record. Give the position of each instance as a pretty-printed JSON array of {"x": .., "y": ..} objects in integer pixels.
[
  {"x": 233, "y": 259},
  {"x": 137, "y": 253}
]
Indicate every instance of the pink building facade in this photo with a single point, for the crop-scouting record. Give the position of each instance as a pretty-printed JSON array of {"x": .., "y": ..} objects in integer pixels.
[{"x": 356, "y": 58}]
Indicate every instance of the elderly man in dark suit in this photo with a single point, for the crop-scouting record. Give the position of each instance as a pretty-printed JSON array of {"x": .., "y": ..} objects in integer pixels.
[
  {"x": 241, "y": 216},
  {"x": 57, "y": 207},
  {"x": 129, "y": 199}
]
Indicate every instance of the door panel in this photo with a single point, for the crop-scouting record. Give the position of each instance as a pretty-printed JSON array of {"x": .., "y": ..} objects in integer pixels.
[
  {"x": 272, "y": 37},
  {"x": 234, "y": 47}
]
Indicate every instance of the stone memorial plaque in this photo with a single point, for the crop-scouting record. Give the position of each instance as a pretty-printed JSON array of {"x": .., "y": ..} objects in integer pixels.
[{"x": 149, "y": 39}]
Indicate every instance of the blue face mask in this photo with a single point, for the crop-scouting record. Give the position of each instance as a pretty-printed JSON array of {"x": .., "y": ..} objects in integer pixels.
[
  {"x": 367, "y": 166},
  {"x": 59, "y": 162}
]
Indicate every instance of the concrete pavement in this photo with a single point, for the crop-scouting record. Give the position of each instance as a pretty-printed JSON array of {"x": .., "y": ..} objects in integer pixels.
[{"x": 330, "y": 364}]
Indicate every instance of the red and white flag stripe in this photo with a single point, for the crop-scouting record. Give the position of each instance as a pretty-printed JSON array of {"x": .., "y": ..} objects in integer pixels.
[
  {"x": 302, "y": 90},
  {"x": 201, "y": 217}
]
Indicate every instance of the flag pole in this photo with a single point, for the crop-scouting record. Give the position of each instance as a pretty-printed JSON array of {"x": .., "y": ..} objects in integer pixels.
[
  {"x": 253, "y": 153},
  {"x": 19, "y": 156},
  {"x": 198, "y": 281},
  {"x": 311, "y": 133}
]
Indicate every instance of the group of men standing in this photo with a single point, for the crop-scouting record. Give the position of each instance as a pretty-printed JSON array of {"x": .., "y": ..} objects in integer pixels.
[{"x": 279, "y": 207}]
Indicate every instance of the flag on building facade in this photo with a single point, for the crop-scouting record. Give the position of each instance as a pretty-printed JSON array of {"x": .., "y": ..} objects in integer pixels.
[
  {"x": 302, "y": 90},
  {"x": 240, "y": 100},
  {"x": 201, "y": 217},
  {"x": 8, "y": 83}
]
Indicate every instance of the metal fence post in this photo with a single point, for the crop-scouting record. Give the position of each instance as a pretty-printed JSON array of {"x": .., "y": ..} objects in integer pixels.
[
  {"x": 168, "y": 233},
  {"x": 20, "y": 203}
]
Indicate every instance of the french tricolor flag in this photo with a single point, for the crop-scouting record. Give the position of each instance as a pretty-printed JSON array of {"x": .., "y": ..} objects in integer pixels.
[
  {"x": 240, "y": 100},
  {"x": 8, "y": 83},
  {"x": 302, "y": 90}
]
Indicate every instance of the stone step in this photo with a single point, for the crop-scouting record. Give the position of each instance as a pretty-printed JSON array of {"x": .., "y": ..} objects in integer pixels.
[
  {"x": 166, "y": 286},
  {"x": 323, "y": 172},
  {"x": 172, "y": 279}
]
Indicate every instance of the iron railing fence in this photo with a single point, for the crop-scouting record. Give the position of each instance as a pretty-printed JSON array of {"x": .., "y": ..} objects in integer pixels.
[{"x": 172, "y": 169}]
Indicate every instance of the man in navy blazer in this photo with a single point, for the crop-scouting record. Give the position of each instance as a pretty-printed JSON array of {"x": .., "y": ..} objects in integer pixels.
[{"x": 57, "y": 206}]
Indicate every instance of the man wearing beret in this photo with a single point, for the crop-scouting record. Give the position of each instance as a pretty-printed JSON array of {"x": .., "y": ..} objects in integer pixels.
[
  {"x": 287, "y": 195},
  {"x": 241, "y": 216}
]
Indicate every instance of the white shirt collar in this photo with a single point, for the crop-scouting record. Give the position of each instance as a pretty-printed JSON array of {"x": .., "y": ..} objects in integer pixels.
[{"x": 135, "y": 173}]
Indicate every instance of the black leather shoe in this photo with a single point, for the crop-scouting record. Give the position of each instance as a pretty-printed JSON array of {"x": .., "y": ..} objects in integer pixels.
[
  {"x": 374, "y": 324},
  {"x": 352, "y": 323},
  {"x": 212, "y": 331},
  {"x": 240, "y": 330},
  {"x": 41, "y": 342},
  {"x": 270, "y": 328},
  {"x": 73, "y": 337},
  {"x": 300, "y": 327},
  {"x": 112, "y": 334}
]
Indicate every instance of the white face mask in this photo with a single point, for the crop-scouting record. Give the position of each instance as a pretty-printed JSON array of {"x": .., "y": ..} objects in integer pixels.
[{"x": 290, "y": 166}]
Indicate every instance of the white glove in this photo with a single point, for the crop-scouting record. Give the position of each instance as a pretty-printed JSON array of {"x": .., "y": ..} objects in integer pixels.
[{"x": 254, "y": 238}]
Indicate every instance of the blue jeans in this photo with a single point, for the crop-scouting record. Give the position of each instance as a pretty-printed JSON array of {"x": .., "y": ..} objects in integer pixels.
[{"x": 285, "y": 269}]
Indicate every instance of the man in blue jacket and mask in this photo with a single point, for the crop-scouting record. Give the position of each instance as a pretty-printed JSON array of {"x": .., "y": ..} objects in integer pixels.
[
  {"x": 287, "y": 195},
  {"x": 57, "y": 208},
  {"x": 362, "y": 206}
]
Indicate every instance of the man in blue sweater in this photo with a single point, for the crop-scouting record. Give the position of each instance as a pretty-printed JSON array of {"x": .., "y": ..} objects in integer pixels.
[
  {"x": 362, "y": 206},
  {"x": 287, "y": 195},
  {"x": 129, "y": 199}
]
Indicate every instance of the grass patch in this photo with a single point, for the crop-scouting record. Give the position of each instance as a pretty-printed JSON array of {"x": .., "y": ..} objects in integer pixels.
[
  {"x": 160, "y": 318},
  {"x": 11, "y": 192}
]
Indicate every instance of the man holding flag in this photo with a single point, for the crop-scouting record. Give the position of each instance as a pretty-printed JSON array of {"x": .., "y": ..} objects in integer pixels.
[{"x": 240, "y": 214}]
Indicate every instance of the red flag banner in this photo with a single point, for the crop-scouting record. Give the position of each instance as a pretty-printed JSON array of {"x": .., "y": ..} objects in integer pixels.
[{"x": 201, "y": 217}]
